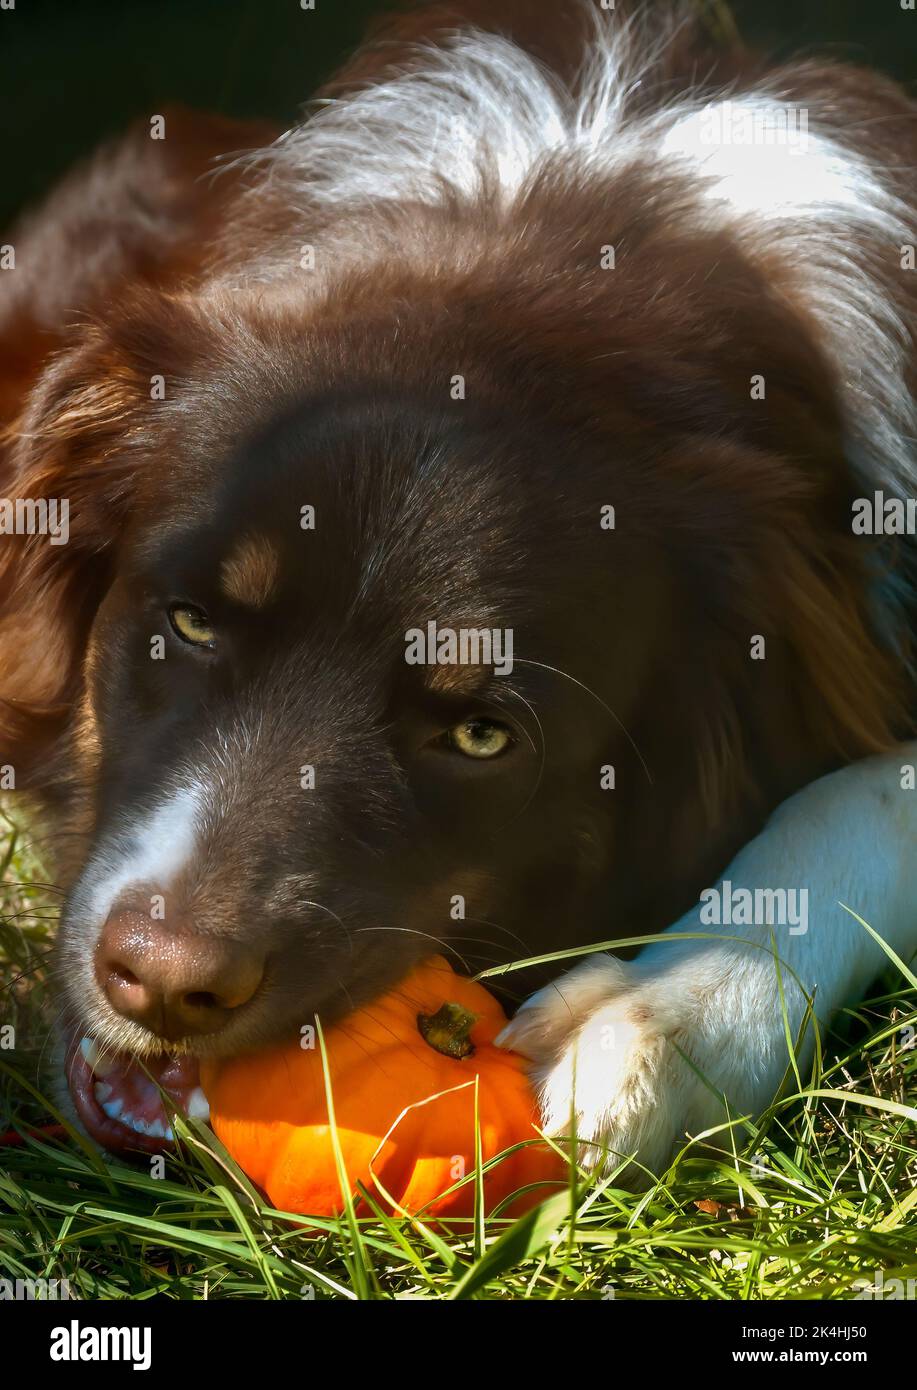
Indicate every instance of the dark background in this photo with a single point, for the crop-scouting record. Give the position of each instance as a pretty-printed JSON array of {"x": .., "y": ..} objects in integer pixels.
[{"x": 73, "y": 71}]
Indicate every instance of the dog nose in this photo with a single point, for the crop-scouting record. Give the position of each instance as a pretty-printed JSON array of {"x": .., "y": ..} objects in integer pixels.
[{"x": 175, "y": 983}]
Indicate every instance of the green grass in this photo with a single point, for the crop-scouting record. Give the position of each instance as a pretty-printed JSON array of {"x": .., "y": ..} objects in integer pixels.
[{"x": 818, "y": 1193}]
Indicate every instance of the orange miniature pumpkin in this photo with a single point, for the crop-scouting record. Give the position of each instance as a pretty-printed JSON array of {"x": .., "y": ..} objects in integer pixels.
[{"x": 404, "y": 1128}]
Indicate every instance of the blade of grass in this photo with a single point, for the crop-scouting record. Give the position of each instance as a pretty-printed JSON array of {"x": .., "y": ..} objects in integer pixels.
[{"x": 360, "y": 1265}]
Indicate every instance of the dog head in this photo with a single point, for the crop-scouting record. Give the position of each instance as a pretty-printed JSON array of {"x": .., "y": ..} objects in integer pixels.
[{"x": 417, "y": 614}]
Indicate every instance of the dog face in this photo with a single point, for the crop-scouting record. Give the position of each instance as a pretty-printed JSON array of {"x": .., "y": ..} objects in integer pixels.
[
  {"x": 283, "y": 812},
  {"x": 271, "y": 808},
  {"x": 273, "y": 774}
]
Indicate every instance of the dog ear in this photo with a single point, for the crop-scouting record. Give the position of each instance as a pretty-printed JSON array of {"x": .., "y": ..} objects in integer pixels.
[
  {"x": 65, "y": 496},
  {"x": 68, "y": 478},
  {"x": 110, "y": 240},
  {"x": 139, "y": 211}
]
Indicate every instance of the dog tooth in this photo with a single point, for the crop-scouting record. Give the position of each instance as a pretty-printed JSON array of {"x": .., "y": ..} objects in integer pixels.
[
  {"x": 113, "y": 1108},
  {"x": 198, "y": 1107},
  {"x": 156, "y": 1129},
  {"x": 102, "y": 1091},
  {"x": 98, "y": 1064},
  {"x": 170, "y": 1133}
]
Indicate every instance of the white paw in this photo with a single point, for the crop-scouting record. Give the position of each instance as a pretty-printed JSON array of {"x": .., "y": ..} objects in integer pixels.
[{"x": 603, "y": 1043}]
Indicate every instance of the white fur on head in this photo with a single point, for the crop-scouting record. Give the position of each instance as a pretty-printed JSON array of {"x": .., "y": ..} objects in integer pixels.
[{"x": 476, "y": 117}]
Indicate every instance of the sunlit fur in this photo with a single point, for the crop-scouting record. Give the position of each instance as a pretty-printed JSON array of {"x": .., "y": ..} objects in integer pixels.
[{"x": 444, "y": 209}]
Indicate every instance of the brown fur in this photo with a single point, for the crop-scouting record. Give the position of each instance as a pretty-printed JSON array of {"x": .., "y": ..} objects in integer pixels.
[{"x": 583, "y": 389}]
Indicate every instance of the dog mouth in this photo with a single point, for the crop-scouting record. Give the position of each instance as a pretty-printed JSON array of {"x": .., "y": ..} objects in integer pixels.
[{"x": 126, "y": 1103}]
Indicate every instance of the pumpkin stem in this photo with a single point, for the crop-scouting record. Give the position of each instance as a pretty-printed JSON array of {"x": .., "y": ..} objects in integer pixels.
[{"x": 447, "y": 1030}]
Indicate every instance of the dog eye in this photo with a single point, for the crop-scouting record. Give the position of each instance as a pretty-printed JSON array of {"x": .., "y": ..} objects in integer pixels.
[
  {"x": 192, "y": 625},
  {"x": 479, "y": 738}
]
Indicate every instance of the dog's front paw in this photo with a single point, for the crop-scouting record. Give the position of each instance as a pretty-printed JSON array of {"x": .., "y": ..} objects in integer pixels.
[{"x": 604, "y": 1043}]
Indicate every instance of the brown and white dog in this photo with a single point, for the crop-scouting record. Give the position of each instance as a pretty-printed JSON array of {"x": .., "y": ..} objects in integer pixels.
[{"x": 551, "y": 325}]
